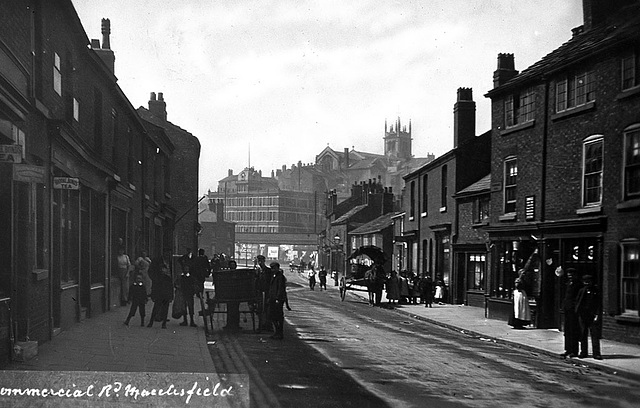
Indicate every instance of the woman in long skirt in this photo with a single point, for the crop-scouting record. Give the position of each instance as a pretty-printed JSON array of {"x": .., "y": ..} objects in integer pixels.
[{"x": 521, "y": 310}]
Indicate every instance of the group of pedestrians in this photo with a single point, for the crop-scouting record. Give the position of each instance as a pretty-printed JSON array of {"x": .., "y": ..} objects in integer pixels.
[
  {"x": 154, "y": 279},
  {"x": 271, "y": 285},
  {"x": 322, "y": 276},
  {"x": 582, "y": 316},
  {"x": 408, "y": 288}
]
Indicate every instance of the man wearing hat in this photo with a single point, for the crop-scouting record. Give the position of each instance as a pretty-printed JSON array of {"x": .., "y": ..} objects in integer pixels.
[
  {"x": 588, "y": 311},
  {"x": 277, "y": 298},
  {"x": 263, "y": 279},
  {"x": 571, "y": 327}
]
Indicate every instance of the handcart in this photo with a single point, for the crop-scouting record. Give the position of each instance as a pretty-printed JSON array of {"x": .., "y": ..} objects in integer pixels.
[
  {"x": 360, "y": 277},
  {"x": 232, "y": 286}
]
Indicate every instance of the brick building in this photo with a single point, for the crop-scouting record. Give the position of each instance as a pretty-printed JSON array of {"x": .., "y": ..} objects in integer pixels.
[
  {"x": 430, "y": 219},
  {"x": 76, "y": 166},
  {"x": 217, "y": 235},
  {"x": 565, "y": 176}
]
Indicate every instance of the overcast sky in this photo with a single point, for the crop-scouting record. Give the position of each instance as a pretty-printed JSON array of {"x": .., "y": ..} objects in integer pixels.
[{"x": 283, "y": 79}]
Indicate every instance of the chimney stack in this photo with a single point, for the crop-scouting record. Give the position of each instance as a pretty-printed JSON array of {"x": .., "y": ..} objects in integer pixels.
[
  {"x": 464, "y": 117},
  {"x": 506, "y": 70},
  {"x": 158, "y": 108},
  {"x": 105, "y": 53},
  {"x": 346, "y": 157}
]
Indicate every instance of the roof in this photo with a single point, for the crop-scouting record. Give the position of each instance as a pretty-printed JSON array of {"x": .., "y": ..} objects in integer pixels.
[
  {"x": 481, "y": 186},
  {"x": 349, "y": 214},
  {"x": 377, "y": 225},
  {"x": 580, "y": 47}
]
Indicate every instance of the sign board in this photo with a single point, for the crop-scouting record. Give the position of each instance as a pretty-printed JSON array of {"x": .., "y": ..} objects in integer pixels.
[
  {"x": 28, "y": 173},
  {"x": 11, "y": 153},
  {"x": 530, "y": 208},
  {"x": 66, "y": 183}
]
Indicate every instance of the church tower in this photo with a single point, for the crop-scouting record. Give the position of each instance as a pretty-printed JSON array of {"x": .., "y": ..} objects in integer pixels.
[{"x": 397, "y": 141}]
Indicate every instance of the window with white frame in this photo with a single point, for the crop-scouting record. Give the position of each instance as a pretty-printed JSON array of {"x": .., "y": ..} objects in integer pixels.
[
  {"x": 630, "y": 276},
  {"x": 476, "y": 265},
  {"x": 520, "y": 107},
  {"x": 592, "y": 170},
  {"x": 57, "y": 74},
  {"x": 76, "y": 110},
  {"x": 510, "y": 184},
  {"x": 576, "y": 90},
  {"x": 631, "y": 70},
  {"x": 632, "y": 162}
]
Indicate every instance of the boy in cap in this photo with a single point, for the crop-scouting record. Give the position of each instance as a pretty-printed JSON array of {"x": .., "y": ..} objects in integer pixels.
[{"x": 588, "y": 311}]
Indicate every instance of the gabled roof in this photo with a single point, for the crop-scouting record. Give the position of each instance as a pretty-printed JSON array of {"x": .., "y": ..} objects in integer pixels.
[
  {"x": 345, "y": 217},
  {"x": 623, "y": 27},
  {"x": 376, "y": 225}
]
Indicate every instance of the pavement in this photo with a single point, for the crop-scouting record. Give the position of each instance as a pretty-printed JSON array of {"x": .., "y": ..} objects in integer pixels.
[{"x": 104, "y": 343}]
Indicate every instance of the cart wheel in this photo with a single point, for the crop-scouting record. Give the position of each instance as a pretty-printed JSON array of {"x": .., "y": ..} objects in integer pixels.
[{"x": 343, "y": 289}]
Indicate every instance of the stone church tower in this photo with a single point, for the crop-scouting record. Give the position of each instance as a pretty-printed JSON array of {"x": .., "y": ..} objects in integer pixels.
[{"x": 397, "y": 141}]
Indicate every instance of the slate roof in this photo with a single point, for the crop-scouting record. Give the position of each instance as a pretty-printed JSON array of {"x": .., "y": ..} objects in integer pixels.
[
  {"x": 622, "y": 27},
  {"x": 480, "y": 186},
  {"x": 377, "y": 225},
  {"x": 345, "y": 217}
]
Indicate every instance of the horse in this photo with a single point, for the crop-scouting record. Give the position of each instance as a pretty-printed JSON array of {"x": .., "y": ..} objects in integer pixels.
[{"x": 375, "y": 278}]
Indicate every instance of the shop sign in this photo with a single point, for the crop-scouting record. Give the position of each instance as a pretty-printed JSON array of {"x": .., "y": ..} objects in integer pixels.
[
  {"x": 28, "y": 173},
  {"x": 66, "y": 183},
  {"x": 11, "y": 153}
]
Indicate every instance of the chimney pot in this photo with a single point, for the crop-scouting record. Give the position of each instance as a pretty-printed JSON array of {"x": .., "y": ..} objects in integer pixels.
[
  {"x": 106, "y": 30},
  {"x": 95, "y": 44}
]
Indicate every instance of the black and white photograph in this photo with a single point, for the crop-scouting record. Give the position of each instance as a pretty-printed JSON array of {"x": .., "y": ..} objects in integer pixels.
[{"x": 299, "y": 203}]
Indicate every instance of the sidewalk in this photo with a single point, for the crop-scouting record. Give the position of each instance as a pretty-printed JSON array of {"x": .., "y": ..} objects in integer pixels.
[
  {"x": 618, "y": 358},
  {"x": 104, "y": 343}
]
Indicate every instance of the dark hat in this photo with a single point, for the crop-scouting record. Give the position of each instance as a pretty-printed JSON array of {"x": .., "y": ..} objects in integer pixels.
[
  {"x": 260, "y": 258},
  {"x": 274, "y": 265},
  {"x": 587, "y": 277}
]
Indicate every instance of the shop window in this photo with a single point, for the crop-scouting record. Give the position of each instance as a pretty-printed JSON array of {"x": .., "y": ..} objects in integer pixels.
[
  {"x": 476, "y": 264},
  {"x": 510, "y": 184},
  {"x": 512, "y": 256},
  {"x": 632, "y": 162},
  {"x": 592, "y": 171},
  {"x": 66, "y": 235},
  {"x": 630, "y": 276}
]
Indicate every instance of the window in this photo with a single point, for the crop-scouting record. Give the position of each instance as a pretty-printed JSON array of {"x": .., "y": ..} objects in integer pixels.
[
  {"x": 412, "y": 211},
  {"x": 481, "y": 210},
  {"x": 475, "y": 271},
  {"x": 57, "y": 74},
  {"x": 592, "y": 165},
  {"x": 519, "y": 107},
  {"x": 425, "y": 195},
  {"x": 443, "y": 189},
  {"x": 576, "y": 90},
  {"x": 632, "y": 162},
  {"x": 630, "y": 276},
  {"x": 631, "y": 70},
  {"x": 76, "y": 110},
  {"x": 510, "y": 182}
]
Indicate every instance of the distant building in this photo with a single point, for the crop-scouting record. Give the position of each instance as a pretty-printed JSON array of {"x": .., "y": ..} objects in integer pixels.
[{"x": 216, "y": 235}]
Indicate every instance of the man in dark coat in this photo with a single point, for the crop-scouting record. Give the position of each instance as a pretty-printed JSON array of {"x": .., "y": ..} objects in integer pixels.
[
  {"x": 588, "y": 310},
  {"x": 201, "y": 271},
  {"x": 277, "y": 297},
  {"x": 161, "y": 288},
  {"x": 571, "y": 327},
  {"x": 263, "y": 280}
]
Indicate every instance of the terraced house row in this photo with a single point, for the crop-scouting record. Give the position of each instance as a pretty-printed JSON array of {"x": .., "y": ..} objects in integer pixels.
[
  {"x": 554, "y": 184},
  {"x": 82, "y": 173}
]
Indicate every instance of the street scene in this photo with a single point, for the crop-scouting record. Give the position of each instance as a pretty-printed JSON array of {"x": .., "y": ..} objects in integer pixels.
[{"x": 320, "y": 204}]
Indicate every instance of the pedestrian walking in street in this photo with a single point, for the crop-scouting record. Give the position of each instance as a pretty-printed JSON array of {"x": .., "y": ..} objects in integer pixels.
[
  {"x": 201, "y": 271},
  {"x": 393, "y": 289},
  {"x": 426, "y": 291},
  {"x": 403, "y": 284},
  {"x": 186, "y": 284},
  {"x": 588, "y": 309},
  {"x": 322, "y": 274},
  {"x": 414, "y": 289},
  {"x": 124, "y": 268},
  {"x": 311, "y": 275},
  {"x": 142, "y": 265},
  {"x": 521, "y": 312},
  {"x": 138, "y": 299},
  {"x": 571, "y": 325},
  {"x": 277, "y": 299},
  {"x": 162, "y": 288}
]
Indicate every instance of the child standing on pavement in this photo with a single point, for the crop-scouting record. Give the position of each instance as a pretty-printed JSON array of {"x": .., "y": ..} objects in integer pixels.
[{"x": 138, "y": 299}]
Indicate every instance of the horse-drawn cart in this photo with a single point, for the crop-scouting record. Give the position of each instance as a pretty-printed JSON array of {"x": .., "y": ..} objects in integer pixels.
[
  {"x": 365, "y": 273},
  {"x": 232, "y": 286}
]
